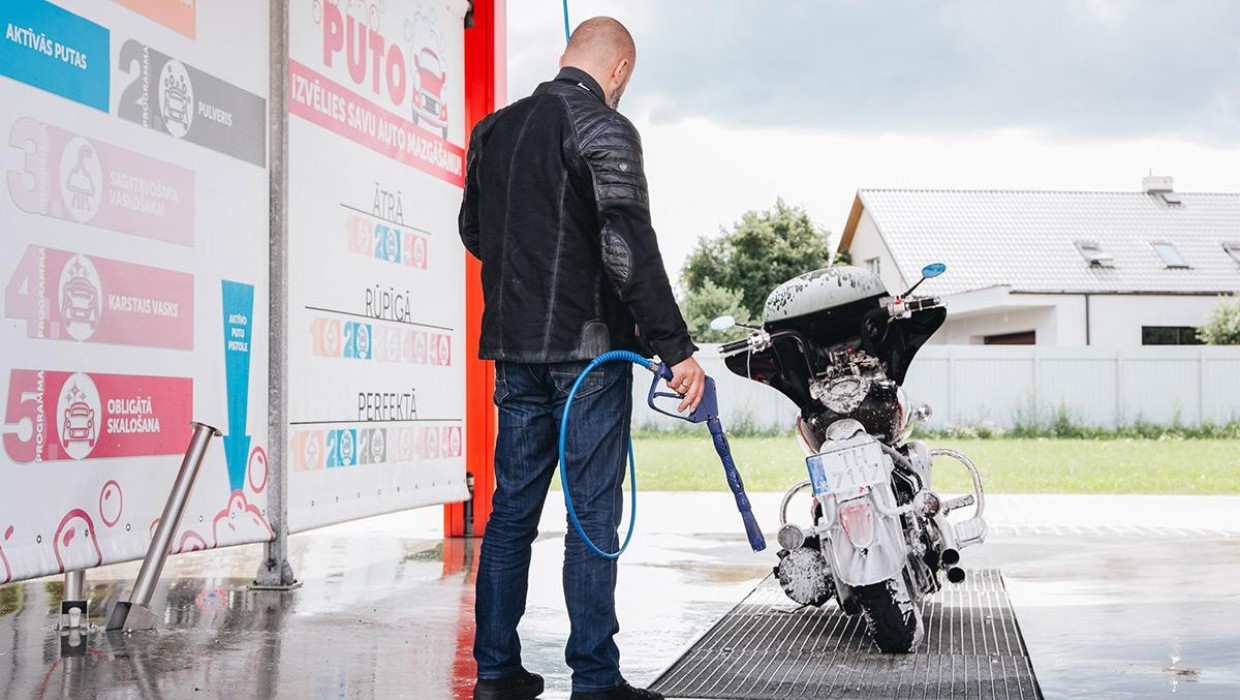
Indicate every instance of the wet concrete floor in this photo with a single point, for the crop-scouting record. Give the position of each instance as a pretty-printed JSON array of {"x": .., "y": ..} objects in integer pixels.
[{"x": 1110, "y": 605}]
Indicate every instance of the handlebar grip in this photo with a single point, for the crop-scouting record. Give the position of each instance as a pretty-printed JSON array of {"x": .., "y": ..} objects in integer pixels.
[
  {"x": 734, "y": 346},
  {"x": 924, "y": 304}
]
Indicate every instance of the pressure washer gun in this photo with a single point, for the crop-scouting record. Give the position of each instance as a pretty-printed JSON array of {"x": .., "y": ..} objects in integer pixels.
[{"x": 707, "y": 412}]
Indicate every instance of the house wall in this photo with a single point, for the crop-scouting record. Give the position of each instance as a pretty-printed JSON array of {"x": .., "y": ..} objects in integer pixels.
[
  {"x": 866, "y": 244},
  {"x": 1116, "y": 321},
  {"x": 972, "y": 329},
  {"x": 1059, "y": 319}
]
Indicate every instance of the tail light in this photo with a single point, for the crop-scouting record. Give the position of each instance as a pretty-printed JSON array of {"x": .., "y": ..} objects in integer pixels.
[{"x": 857, "y": 518}]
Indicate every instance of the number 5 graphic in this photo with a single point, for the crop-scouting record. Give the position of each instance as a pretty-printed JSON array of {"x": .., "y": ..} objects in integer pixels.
[{"x": 22, "y": 407}]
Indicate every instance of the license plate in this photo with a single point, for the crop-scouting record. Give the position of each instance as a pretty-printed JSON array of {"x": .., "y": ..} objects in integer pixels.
[{"x": 847, "y": 469}]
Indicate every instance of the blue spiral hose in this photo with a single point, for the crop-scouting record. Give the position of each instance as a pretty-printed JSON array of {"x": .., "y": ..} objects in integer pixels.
[{"x": 613, "y": 356}]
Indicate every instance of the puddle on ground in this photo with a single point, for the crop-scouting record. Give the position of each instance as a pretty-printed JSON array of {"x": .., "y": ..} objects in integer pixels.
[{"x": 697, "y": 572}]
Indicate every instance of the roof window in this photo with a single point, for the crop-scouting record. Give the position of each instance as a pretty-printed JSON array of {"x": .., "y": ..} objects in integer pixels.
[
  {"x": 1232, "y": 248},
  {"x": 1094, "y": 255},
  {"x": 1172, "y": 199},
  {"x": 1169, "y": 255}
]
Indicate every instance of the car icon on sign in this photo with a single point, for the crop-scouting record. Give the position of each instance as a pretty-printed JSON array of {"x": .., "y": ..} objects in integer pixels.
[
  {"x": 428, "y": 103},
  {"x": 79, "y": 423},
  {"x": 80, "y": 302},
  {"x": 176, "y": 101}
]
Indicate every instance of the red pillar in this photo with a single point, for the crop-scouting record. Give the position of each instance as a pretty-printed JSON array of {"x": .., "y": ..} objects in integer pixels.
[{"x": 485, "y": 77}]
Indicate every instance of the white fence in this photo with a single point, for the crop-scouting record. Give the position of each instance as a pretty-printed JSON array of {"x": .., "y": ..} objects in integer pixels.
[{"x": 974, "y": 385}]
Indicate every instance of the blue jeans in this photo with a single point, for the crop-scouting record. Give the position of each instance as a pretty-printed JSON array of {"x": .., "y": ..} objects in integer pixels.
[{"x": 530, "y": 398}]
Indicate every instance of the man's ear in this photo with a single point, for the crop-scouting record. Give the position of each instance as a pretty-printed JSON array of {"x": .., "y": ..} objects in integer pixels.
[
  {"x": 562, "y": 61},
  {"x": 621, "y": 73}
]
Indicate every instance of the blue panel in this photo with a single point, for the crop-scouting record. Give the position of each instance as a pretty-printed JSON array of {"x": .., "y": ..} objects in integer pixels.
[{"x": 55, "y": 50}]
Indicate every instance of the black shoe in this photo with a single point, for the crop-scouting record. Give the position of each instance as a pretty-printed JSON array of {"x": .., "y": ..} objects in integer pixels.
[
  {"x": 522, "y": 685},
  {"x": 624, "y": 691}
]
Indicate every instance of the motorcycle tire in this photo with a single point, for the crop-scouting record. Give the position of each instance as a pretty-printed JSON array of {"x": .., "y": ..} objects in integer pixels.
[
  {"x": 848, "y": 601},
  {"x": 893, "y": 620}
]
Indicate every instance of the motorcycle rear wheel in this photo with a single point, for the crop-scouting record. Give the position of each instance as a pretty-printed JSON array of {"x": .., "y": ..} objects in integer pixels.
[{"x": 894, "y": 621}]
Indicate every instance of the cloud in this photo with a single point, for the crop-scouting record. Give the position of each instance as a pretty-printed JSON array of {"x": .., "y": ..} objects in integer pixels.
[{"x": 1113, "y": 69}]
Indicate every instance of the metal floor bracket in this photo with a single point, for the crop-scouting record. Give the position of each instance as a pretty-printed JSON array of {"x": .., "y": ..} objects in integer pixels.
[{"x": 132, "y": 617}]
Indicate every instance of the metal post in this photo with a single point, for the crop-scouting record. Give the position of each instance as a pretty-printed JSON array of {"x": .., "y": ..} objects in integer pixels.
[
  {"x": 73, "y": 601},
  {"x": 75, "y": 585},
  {"x": 123, "y": 616},
  {"x": 275, "y": 572},
  {"x": 469, "y": 505}
]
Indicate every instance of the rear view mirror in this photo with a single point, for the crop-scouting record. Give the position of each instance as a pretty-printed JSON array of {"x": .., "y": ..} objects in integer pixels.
[
  {"x": 928, "y": 272},
  {"x": 723, "y": 323}
]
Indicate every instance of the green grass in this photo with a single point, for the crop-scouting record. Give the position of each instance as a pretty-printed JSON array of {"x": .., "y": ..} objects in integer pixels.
[{"x": 687, "y": 462}]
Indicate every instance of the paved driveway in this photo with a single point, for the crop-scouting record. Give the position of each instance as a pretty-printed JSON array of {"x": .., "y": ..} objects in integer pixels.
[{"x": 1118, "y": 597}]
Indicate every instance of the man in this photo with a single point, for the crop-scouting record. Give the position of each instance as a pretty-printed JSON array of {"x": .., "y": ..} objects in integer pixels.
[{"x": 556, "y": 207}]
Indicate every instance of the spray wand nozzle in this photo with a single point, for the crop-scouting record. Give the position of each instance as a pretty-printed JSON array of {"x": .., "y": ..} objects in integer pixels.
[{"x": 707, "y": 412}]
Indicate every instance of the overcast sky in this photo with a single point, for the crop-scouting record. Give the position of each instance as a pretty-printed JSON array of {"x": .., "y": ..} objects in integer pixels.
[{"x": 740, "y": 102}]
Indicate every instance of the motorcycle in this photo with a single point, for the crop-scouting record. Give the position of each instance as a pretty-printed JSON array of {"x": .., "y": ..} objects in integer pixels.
[{"x": 879, "y": 539}]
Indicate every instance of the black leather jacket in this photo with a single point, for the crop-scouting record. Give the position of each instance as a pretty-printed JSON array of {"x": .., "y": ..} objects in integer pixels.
[{"x": 556, "y": 208}]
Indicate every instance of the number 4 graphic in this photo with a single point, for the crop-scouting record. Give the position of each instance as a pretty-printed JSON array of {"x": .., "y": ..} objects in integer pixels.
[{"x": 20, "y": 297}]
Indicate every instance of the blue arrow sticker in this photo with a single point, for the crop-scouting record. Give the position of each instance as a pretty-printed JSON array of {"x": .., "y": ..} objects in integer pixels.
[{"x": 238, "y": 324}]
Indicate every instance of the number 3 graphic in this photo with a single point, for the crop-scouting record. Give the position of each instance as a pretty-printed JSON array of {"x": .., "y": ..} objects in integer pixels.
[{"x": 29, "y": 188}]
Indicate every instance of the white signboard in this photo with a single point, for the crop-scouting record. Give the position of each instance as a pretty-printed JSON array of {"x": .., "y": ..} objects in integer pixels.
[
  {"x": 376, "y": 269},
  {"x": 133, "y": 267}
]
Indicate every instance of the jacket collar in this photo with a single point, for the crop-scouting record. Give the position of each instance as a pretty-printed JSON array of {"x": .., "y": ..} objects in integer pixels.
[{"x": 582, "y": 80}]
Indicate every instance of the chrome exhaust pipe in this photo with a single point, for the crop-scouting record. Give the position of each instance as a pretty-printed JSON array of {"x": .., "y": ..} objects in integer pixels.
[
  {"x": 951, "y": 556},
  {"x": 955, "y": 574}
]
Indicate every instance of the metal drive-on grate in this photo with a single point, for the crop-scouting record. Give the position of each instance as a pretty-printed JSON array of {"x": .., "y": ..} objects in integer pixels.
[{"x": 766, "y": 647}]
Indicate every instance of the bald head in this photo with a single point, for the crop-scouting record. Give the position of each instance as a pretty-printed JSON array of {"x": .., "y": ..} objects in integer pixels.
[{"x": 602, "y": 47}]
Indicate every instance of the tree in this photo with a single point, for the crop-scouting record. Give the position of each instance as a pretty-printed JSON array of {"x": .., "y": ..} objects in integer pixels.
[
  {"x": 1223, "y": 326},
  {"x": 763, "y": 250},
  {"x": 701, "y": 306}
]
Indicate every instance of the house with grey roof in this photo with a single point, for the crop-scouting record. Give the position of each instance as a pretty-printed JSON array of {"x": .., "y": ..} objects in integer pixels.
[{"x": 1111, "y": 269}]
